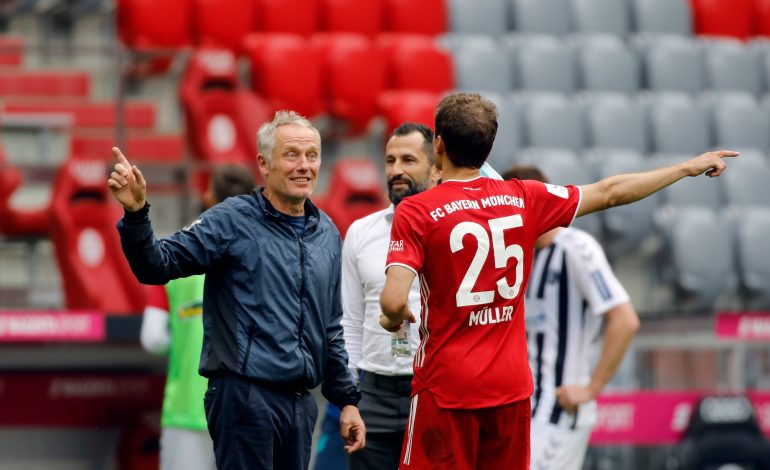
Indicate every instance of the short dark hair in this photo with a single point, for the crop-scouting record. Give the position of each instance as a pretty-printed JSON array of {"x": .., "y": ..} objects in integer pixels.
[
  {"x": 525, "y": 172},
  {"x": 427, "y": 133},
  {"x": 467, "y": 123},
  {"x": 229, "y": 180}
]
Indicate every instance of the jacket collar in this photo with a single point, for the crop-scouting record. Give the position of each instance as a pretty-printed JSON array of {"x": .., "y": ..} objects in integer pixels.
[{"x": 311, "y": 211}]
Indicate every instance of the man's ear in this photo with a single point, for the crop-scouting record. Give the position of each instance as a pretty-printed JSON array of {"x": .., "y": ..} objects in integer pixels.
[
  {"x": 264, "y": 166},
  {"x": 438, "y": 145}
]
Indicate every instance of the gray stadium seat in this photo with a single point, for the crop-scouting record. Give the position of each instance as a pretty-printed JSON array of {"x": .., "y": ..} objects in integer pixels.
[
  {"x": 546, "y": 64},
  {"x": 553, "y": 17},
  {"x": 617, "y": 122},
  {"x": 731, "y": 66},
  {"x": 662, "y": 17},
  {"x": 481, "y": 65},
  {"x": 699, "y": 191},
  {"x": 601, "y": 16},
  {"x": 607, "y": 65},
  {"x": 747, "y": 180},
  {"x": 509, "y": 131},
  {"x": 701, "y": 257},
  {"x": 675, "y": 64},
  {"x": 740, "y": 123},
  {"x": 679, "y": 125},
  {"x": 565, "y": 167},
  {"x": 754, "y": 258},
  {"x": 488, "y": 17},
  {"x": 625, "y": 227},
  {"x": 554, "y": 121}
]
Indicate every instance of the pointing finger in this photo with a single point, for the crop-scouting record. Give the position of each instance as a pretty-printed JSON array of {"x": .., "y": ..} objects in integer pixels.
[
  {"x": 120, "y": 157},
  {"x": 138, "y": 175}
]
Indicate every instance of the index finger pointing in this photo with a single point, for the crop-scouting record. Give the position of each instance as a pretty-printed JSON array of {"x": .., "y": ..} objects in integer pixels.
[
  {"x": 120, "y": 157},
  {"x": 727, "y": 153}
]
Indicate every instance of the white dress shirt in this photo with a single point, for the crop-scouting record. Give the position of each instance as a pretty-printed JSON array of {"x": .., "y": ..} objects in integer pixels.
[{"x": 363, "y": 277}]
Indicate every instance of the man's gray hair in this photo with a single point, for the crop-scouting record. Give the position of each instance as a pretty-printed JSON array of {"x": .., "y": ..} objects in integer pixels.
[{"x": 266, "y": 133}]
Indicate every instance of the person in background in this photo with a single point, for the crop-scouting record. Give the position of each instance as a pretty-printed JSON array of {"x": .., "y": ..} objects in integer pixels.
[
  {"x": 271, "y": 301},
  {"x": 172, "y": 325},
  {"x": 471, "y": 240},
  {"x": 572, "y": 291}
]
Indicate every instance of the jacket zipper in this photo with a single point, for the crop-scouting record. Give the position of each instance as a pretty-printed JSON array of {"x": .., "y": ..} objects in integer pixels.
[{"x": 301, "y": 326}]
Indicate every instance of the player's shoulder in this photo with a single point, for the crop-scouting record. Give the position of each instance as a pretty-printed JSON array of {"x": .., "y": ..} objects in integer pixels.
[{"x": 579, "y": 242}]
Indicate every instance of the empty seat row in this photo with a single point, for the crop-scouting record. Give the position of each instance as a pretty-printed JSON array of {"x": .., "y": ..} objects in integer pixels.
[
  {"x": 662, "y": 123},
  {"x": 605, "y": 63},
  {"x": 180, "y": 23}
]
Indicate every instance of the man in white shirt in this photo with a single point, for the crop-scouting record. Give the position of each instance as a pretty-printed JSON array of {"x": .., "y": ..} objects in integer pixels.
[
  {"x": 572, "y": 291},
  {"x": 385, "y": 380}
]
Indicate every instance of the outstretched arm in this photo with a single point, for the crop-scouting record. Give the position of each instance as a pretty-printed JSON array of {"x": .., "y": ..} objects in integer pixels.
[{"x": 624, "y": 189}]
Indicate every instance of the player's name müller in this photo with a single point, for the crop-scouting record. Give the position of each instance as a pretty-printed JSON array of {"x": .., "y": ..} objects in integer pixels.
[
  {"x": 490, "y": 315},
  {"x": 465, "y": 204}
]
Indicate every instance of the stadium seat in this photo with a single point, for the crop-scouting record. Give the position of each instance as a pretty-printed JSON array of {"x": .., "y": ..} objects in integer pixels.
[
  {"x": 276, "y": 73},
  {"x": 617, "y": 122},
  {"x": 746, "y": 180},
  {"x": 551, "y": 17},
  {"x": 141, "y": 146},
  {"x": 723, "y": 17},
  {"x": 488, "y": 17},
  {"x": 148, "y": 24},
  {"x": 87, "y": 113},
  {"x": 94, "y": 272},
  {"x": 211, "y": 99},
  {"x": 354, "y": 77},
  {"x": 287, "y": 16},
  {"x": 553, "y": 121},
  {"x": 732, "y": 67},
  {"x": 688, "y": 192},
  {"x": 45, "y": 83},
  {"x": 546, "y": 64},
  {"x": 662, "y": 17},
  {"x": 701, "y": 272},
  {"x": 416, "y": 62},
  {"x": 679, "y": 125},
  {"x": 602, "y": 17},
  {"x": 14, "y": 221},
  {"x": 355, "y": 191},
  {"x": 762, "y": 17},
  {"x": 352, "y": 16},
  {"x": 423, "y": 17},
  {"x": 11, "y": 51},
  {"x": 754, "y": 257},
  {"x": 481, "y": 65},
  {"x": 217, "y": 25},
  {"x": 741, "y": 124},
  {"x": 675, "y": 64},
  {"x": 509, "y": 131},
  {"x": 398, "y": 107},
  {"x": 564, "y": 167},
  {"x": 607, "y": 65},
  {"x": 625, "y": 227}
]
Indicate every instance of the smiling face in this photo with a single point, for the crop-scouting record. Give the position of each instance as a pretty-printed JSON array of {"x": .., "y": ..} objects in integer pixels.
[
  {"x": 292, "y": 170},
  {"x": 407, "y": 166}
]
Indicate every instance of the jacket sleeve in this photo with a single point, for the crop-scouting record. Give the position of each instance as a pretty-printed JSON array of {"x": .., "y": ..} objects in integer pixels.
[
  {"x": 339, "y": 386},
  {"x": 189, "y": 251}
]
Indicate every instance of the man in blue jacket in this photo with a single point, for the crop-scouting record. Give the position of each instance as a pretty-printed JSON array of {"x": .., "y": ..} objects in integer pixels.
[{"x": 271, "y": 303}]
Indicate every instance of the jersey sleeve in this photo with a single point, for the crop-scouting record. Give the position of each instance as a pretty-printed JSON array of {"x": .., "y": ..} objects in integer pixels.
[
  {"x": 406, "y": 238},
  {"x": 595, "y": 278},
  {"x": 554, "y": 206}
]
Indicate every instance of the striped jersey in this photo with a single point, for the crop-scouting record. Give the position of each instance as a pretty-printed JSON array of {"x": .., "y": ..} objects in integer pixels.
[
  {"x": 571, "y": 287},
  {"x": 470, "y": 242}
]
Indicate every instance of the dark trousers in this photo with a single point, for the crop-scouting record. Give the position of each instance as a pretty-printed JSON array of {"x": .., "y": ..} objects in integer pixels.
[
  {"x": 259, "y": 426},
  {"x": 384, "y": 407}
]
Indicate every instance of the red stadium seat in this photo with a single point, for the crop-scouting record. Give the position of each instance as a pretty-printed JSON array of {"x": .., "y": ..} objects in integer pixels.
[
  {"x": 762, "y": 17},
  {"x": 355, "y": 191},
  {"x": 13, "y": 221},
  {"x": 146, "y": 24},
  {"x": 401, "y": 106},
  {"x": 410, "y": 16},
  {"x": 723, "y": 17},
  {"x": 223, "y": 24},
  {"x": 287, "y": 16},
  {"x": 94, "y": 272},
  {"x": 286, "y": 71},
  {"x": 416, "y": 62},
  {"x": 354, "y": 77},
  {"x": 11, "y": 51},
  {"x": 44, "y": 83},
  {"x": 85, "y": 113},
  {"x": 352, "y": 16},
  {"x": 142, "y": 147}
]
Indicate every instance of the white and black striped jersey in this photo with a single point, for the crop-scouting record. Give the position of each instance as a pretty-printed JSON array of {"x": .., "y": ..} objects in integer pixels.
[{"x": 571, "y": 287}]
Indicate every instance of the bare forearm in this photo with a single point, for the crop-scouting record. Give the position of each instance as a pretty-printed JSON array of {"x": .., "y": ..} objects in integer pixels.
[{"x": 622, "y": 324}]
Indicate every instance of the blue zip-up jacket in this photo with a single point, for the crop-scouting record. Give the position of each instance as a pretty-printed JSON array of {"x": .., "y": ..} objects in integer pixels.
[{"x": 271, "y": 302}]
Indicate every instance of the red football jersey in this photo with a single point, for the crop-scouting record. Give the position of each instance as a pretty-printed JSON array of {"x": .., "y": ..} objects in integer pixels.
[{"x": 472, "y": 244}]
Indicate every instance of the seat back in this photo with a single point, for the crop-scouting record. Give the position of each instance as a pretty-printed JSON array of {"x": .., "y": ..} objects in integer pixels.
[
  {"x": 217, "y": 24},
  {"x": 662, "y": 17},
  {"x": 488, "y": 17},
  {"x": 723, "y": 17},
  {"x": 731, "y": 66},
  {"x": 606, "y": 65},
  {"x": 602, "y": 17},
  {"x": 754, "y": 257},
  {"x": 617, "y": 122},
  {"x": 675, "y": 64},
  {"x": 287, "y": 16},
  {"x": 352, "y": 16},
  {"x": 414, "y": 106},
  {"x": 553, "y": 121},
  {"x": 148, "y": 23},
  {"x": 415, "y": 62},
  {"x": 423, "y": 17},
  {"x": 679, "y": 125},
  {"x": 546, "y": 64},
  {"x": 551, "y": 17},
  {"x": 481, "y": 65}
]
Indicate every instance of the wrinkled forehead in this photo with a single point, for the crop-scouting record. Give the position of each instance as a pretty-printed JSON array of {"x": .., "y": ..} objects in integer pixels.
[{"x": 296, "y": 136}]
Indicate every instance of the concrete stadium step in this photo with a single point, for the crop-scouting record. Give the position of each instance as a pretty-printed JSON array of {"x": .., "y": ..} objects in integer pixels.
[
  {"x": 44, "y": 83},
  {"x": 88, "y": 113}
]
